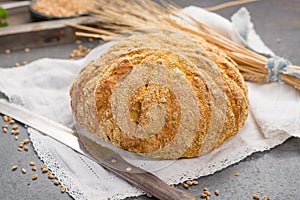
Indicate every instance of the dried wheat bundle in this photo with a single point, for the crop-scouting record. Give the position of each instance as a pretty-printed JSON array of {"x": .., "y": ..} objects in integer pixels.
[{"x": 123, "y": 15}]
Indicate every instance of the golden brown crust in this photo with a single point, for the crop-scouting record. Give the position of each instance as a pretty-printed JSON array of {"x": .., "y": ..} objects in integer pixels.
[{"x": 162, "y": 95}]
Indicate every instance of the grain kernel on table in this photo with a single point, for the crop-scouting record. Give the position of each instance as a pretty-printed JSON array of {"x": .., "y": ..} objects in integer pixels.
[
  {"x": 15, "y": 167},
  {"x": 194, "y": 182},
  {"x": 256, "y": 196},
  {"x": 16, "y": 132},
  {"x": 50, "y": 176},
  {"x": 26, "y": 148},
  {"x": 128, "y": 169},
  {"x": 16, "y": 137},
  {"x": 278, "y": 40},
  {"x": 236, "y": 174},
  {"x": 17, "y": 64},
  {"x": 19, "y": 149},
  {"x": 44, "y": 170},
  {"x": 7, "y": 51},
  {"x": 63, "y": 189},
  {"x": 205, "y": 189},
  {"x": 189, "y": 183},
  {"x": 207, "y": 192},
  {"x": 5, "y": 118},
  {"x": 185, "y": 185},
  {"x": 34, "y": 176},
  {"x": 24, "y": 171},
  {"x": 15, "y": 127},
  {"x": 20, "y": 144},
  {"x": 56, "y": 182},
  {"x": 26, "y": 141},
  {"x": 25, "y": 62},
  {"x": 267, "y": 197},
  {"x": 203, "y": 195},
  {"x": 33, "y": 168},
  {"x": 217, "y": 192},
  {"x": 31, "y": 163},
  {"x": 4, "y": 130},
  {"x": 4, "y": 126},
  {"x": 11, "y": 121},
  {"x": 26, "y": 50}
]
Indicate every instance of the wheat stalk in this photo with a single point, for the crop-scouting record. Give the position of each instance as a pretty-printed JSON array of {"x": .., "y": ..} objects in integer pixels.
[
  {"x": 227, "y": 4},
  {"x": 122, "y": 15}
]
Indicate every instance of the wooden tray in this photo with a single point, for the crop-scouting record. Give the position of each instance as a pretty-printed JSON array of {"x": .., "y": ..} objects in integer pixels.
[{"x": 29, "y": 34}]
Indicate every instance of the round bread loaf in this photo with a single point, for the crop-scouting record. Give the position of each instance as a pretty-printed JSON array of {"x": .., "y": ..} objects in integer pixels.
[{"x": 163, "y": 95}]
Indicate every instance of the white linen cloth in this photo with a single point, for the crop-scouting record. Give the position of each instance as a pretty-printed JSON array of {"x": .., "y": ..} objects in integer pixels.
[{"x": 43, "y": 87}]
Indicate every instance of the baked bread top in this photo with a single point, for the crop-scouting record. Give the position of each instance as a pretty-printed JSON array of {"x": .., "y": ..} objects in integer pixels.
[{"x": 163, "y": 95}]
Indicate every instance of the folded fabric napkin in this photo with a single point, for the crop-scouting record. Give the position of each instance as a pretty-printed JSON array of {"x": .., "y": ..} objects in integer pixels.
[{"x": 43, "y": 87}]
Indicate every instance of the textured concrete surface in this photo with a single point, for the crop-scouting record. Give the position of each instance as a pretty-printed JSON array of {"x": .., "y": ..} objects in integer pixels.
[{"x": 275, "y": 172}]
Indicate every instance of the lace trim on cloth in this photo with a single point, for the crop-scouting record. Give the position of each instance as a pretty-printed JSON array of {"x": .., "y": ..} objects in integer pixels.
[{"x": 45, "y": 152}]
